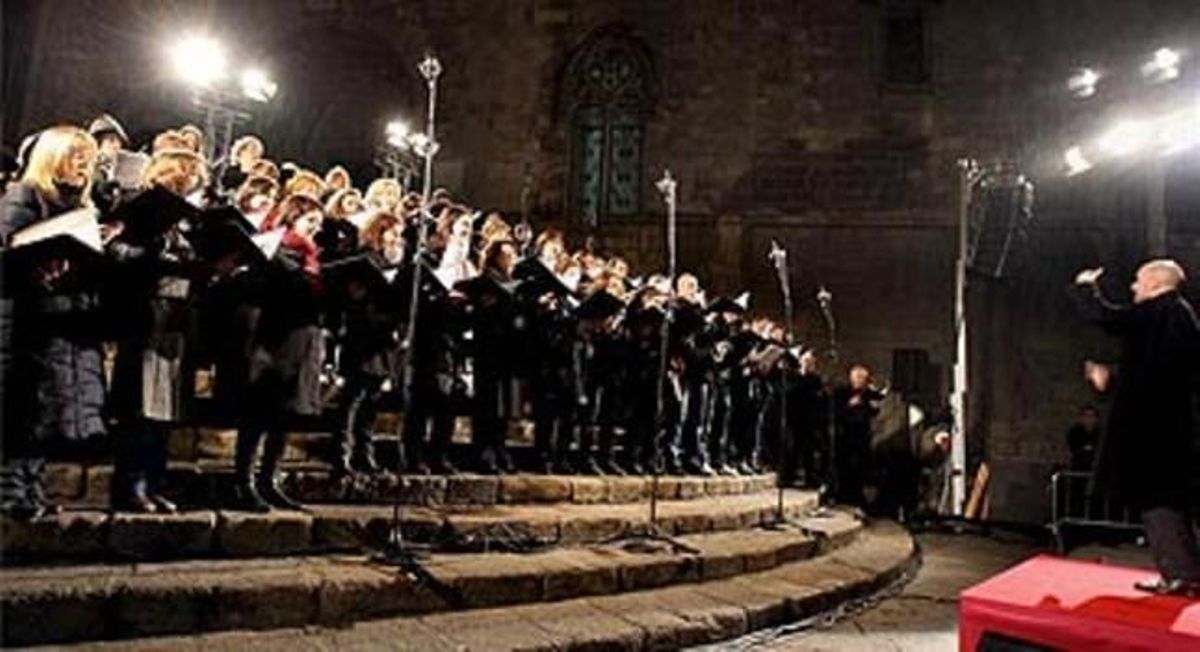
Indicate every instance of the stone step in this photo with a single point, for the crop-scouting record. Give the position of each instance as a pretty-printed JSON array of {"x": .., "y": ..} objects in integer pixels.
[
  {"x": 206, "y": 483},
  {"x": 700, "y": 609},
  {"x": 81, "y": 536}
]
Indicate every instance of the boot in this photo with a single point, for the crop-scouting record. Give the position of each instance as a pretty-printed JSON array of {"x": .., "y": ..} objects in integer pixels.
[
  {"x": 268, "y": 480},
  {"x": 613, "y": 468},
  {"x": 365, "y": 457},
  {"x": 245, "y": 496},
  {"x": 591, "y": 467}
]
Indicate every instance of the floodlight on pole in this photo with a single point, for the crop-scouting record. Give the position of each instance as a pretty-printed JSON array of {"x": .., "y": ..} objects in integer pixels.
[
  {"x": 398, "y": 133},
  {"x": 257, "y": 85},
  {"x": 1163, "y": 65},
  {"x": 1083, "y": 82},
  {"x": 1076, "y": 162},
  {"x": 199, "y": 60}
]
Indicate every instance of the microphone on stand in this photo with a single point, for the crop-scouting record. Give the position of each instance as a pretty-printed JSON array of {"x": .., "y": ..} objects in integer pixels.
[
  {"x": 777, "y": 254},
  {"x": 824, "y": 299}
]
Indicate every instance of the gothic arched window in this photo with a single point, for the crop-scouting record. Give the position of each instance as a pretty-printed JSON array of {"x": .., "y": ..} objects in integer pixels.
[{"x": 608, "y": 94}]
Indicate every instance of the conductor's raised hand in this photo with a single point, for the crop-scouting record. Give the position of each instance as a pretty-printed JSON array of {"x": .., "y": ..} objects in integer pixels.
[{"x": 1089, "y": 276}]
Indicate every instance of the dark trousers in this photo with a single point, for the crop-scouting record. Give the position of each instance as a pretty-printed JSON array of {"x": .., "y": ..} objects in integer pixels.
[
  {"x": 140, "y": 466},
  {"x": 1172, "y": 536},
  {"x": 249, "y": 435},
  {"x": 430, "y": 407},
  {"x": 720, "y": 446},
  {"x": 355, "y": 439}
]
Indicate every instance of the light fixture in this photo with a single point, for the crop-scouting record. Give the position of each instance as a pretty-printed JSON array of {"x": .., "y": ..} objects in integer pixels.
[
  {"x": 1076, "y": 162},
  {"x": 1083, "y": 82},
  {"x": 1163, "y": 65},
  {"x": 398, "y": 133},
  {"x": 199, "y": 60},
  {"x": 257, "y": 85}
]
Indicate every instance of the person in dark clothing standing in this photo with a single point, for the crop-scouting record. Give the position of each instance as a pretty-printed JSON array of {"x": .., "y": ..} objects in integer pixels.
[
  {"x": 809, "y": 407},
  {"x": 1147, "y": 456},
  {"x": 51, "y": 369},
  {"x": 855, "y": 405}
]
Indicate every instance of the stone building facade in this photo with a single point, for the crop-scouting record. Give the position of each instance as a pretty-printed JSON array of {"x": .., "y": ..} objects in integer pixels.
[{"x": 832, "y": 126}]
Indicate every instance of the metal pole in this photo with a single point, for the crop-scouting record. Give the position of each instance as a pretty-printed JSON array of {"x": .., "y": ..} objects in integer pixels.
[
  {"x": 968, "y": 171},
  {"x": 397, "y": 552},
  {"x": 666, "y": 186}
]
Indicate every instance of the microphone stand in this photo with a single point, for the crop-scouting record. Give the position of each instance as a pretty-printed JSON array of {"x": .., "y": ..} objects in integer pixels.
[
  {"x": 397, "y": 551},
  {"x": 641, "y": 539},
  {"x": 825, "y": 300},
  {"x": 778, "y": 258}
]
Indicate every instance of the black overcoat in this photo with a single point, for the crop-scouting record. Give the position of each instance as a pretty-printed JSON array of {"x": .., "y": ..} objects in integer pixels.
[{"x": 1147, "y": 455}]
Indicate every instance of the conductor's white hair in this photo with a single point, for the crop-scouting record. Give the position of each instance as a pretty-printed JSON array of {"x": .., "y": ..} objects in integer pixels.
[{"x": 1168, "y": 268}]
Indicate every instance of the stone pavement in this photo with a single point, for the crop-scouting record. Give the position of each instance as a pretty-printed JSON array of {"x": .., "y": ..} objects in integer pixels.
[{"x": 923, "y": 616}]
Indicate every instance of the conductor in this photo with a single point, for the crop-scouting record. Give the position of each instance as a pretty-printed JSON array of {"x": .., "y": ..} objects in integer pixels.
[{"x": 1147, "y": 455}]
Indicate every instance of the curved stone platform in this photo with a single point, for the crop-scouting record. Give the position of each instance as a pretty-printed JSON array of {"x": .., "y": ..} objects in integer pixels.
[
  {"x": 207, "y": 482},
  {"x": 76, "y": 536},
  {"x": 565, "y": 600}
]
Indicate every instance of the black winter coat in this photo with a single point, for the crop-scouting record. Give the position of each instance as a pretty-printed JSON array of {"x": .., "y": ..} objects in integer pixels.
[
  {"x": 51, "y": 365},
  {"x": 1147, "y": 456}
]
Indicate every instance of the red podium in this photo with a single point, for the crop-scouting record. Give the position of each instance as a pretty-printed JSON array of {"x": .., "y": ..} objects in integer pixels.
[{"x": 1063, "y": 604}]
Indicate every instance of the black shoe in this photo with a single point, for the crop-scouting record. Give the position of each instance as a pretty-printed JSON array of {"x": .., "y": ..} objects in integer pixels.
[
  {"x": 367, "y": 466},
  {"x": 247, "y": 499},
  {"x": 613, "y": 468},
  {"x": 1162, "y": 586},
  {"x": 505, "y": 463},
  {"x": 591, "y": 467},
  {"x": 442, "y": 466},
  {"x": 164, "y": 506},
  {"x": 134, "y": 502},
  {"x": 25, "y": 513},
  {"x": 274, "y": 496},
  {"x": 341, "y": 469},
  {"x": 488, "y": 466},
  {"x": 563, "y": 467}
]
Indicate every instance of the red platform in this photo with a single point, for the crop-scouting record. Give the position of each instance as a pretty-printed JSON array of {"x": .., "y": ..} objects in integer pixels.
[{"x": 1064, "y": 604}]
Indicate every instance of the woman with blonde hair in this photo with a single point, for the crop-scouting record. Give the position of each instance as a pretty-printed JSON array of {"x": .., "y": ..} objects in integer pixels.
[
  {"x": 304, "y": 182},
  {"x": 338, "y": 178},
  {"x": 51, "y": 371},
  {"x": 384, "y": 193},
  {"x": 193, "y": 138},
  {"x": 339, "y": 235},
  {"x": 245, "y": 153},
  {"x": 170, "y": 139},
  {"x": 265, "y": 168},
  {"x": 181, "y": 171}
]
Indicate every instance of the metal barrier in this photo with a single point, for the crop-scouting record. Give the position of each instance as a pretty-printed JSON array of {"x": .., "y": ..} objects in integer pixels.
[{"x": 1072, "y": 506}]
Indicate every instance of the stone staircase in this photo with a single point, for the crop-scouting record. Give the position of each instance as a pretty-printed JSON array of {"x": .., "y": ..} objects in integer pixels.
[{"x": 515, "y": 562}]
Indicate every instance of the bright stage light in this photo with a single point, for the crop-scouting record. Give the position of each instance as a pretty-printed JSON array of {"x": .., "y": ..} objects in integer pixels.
[
  {"x": 1126, "y": 138},
  {"x": 1163, "y": 66},
  {"x": 1083, "y": 82},
  {"x": 257, "y": 86},
  {"x": 398, "y": 133},
  {"x": 199, "y": 60},
  {"x": 1076, "y": 162}
]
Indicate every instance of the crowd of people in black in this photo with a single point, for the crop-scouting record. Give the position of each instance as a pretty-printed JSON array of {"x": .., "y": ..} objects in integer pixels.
[{"x": 134, "y": 280}]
